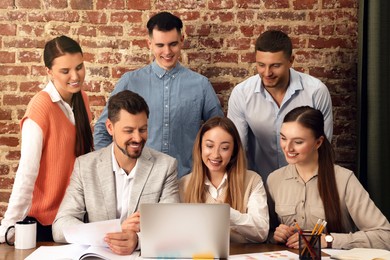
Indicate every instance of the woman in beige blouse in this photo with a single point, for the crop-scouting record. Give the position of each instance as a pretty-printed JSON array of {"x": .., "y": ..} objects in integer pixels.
[
  {"x": 219, "y": 175},
  {"x": 312, "y": 187}
]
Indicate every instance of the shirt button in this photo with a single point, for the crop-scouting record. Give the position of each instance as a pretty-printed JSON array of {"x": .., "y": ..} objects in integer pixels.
[
  {"x": 166, "y": 105},
  {"x": 303, "y": 217},
  {"x": 303, "y": 201},
  {"x": 166, "y": 124},
  {"x": 165, "y": 144}
]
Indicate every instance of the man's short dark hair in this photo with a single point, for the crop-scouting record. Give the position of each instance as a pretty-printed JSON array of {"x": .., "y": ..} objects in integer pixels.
[
  {"x": 274, "y": 41},
  {"x": 127, "y": 100},
  {"x": 164, "y": 22}
]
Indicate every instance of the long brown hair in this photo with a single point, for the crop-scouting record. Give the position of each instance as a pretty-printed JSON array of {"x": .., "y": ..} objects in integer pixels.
[
  {"x": 236, "y": 168},
  {"x": 58, "y": 47},
  {"x": 313, "y": 119}
]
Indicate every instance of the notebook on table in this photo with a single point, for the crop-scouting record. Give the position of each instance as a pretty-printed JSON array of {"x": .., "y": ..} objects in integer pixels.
[{"x": 185, "y": 230}]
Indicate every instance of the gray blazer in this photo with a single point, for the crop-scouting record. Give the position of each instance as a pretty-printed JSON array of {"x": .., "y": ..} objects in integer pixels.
[{"x": 91, "y": 194}]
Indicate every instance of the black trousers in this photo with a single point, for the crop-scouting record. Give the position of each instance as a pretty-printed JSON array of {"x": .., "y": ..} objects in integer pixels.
[{"x": 43, "y": 232}]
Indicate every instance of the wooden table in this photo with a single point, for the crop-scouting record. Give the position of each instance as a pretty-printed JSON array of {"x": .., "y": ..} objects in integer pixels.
[{"x": 10, "y": 253}]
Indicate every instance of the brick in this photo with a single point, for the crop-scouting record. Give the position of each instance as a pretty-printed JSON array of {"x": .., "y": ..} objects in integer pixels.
[
  {"x": 13, "y": 156},
  {"x": 96, "y": 100},
  {"x": 57, "y": 4},
  {"x": 9, "y": 128},
  {"x": 4, "y": 196},
  {"x": 4, "y": 4},
  {"x": 332, "y": 42},
  {"x": 239, "y": 44},
  {"x": 85, "y": 30},
  {"x": 272, "y": 4},
  {"x": 332, "y": 4},
  {"x": 222, "y": 17},
  {"x": 110, "y": 30},
  {"x": 213, "y": 43},
  {"x": 30, "y": 56},
  {"x": 306, "y": 30},
  {"x": 81, "y": 4},
  {"x": 282, "y": 16},
  {"x": 225, "y": 57},
  {"x": 38, "y": 70},
  {"x": 94, "y": 17},
  {"x": 304, "y": 4},
  {"x": 245, "y": 16},
  {"x": 177, "y": 5},
  {"x": 189, "y": 16},
  {"x": 199, "y": 57},
  {"x": 97, "y": 86},
  {"x": 248, "y": 3},
  {"x": 22, "y": 42},
  {"x": 8, "y": 29},
  {"x": 222, "y": 71},
  {"x": 142, "y": 44},
  {"x": 220, "y": 4},
  {"x": 109, "y": 57},
  {"x": 4, "y": 169},
  {"x": 8, "y": 86},
  {"x": 7, "y": 57},
  {"x": 28, "y": 4},
  {"x": 248, "y": 57},
  {"x": 220, "y": 86},
  {"x": 31, "y": 30},
  {"x": 139, "y": 4},
  {"x": 6, "y": 182},
  {"x": 136, "y": 30},
  {"x": 8, "y": 141},
  {"x": 224, "y": 29},
  {"x": 99, "y": 72},
  {"x": 13, "y": 70},
  {"x": 202, "y": 30},
  {"x": 13, "y": 100},
  {"x": 126, "y": 16},
  {"x": 117, "y": 72},
  {"x": 5, "y": 114},
  {"x": 16, "y": 15},
  {"x": 139, "y": 59},
  {"x": 31, "y": 86},
  {"x": 113, "y": 4},
  {"x": 61, "y": 16}
]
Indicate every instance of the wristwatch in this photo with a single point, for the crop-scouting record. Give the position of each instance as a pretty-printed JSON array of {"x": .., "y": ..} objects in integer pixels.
[{"x": 329, "y": 240}]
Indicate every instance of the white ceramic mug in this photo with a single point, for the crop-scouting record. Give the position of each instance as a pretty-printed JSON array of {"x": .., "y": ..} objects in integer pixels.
[{"x": 25, "y": 234}]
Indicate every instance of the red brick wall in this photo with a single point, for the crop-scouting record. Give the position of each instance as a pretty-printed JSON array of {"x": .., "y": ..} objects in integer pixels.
[{"x": 219, "y": 44}]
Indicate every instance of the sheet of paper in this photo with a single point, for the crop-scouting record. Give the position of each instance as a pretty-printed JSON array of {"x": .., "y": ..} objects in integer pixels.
[
  {"x": 71, "y": 251},
  {"x": 362, "y": 254},
  {"x": 266, "y": 256},
  {"x": 91, "y": 233}
]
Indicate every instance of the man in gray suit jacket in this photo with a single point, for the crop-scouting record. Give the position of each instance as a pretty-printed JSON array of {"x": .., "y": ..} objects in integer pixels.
[{"x": 112, "y": 182}]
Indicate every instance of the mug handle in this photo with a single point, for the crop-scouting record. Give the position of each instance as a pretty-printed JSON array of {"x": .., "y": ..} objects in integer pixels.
[{"x": 6, "y": 236}]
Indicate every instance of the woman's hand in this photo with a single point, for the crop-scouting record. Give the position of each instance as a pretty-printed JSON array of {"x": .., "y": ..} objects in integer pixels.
[{"x": 283, "y": 233}]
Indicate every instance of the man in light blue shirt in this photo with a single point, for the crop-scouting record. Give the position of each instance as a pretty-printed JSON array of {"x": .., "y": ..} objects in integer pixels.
[
  {"x": 179, "y": 99},
  {"x": 258, "y": 105}
]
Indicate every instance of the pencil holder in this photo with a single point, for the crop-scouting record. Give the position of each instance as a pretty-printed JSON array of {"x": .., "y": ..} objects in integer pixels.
[{"x": 309, "y": 246}]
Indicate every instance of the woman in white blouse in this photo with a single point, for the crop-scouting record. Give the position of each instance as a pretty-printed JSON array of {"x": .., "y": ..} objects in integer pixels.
[
  {"x": 219, "y": 175},
  {"x": 55, "y": 129}
]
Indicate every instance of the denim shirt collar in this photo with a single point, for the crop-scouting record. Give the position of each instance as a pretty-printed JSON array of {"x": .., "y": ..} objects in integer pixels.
[{"x": 160, "y": 72}]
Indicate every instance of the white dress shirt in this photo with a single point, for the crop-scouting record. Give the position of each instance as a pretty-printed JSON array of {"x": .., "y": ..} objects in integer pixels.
[
  {"x": 124, "y": 184},
  {"x": 30, "y": 156},
  {"x": 254, "y": 224}
]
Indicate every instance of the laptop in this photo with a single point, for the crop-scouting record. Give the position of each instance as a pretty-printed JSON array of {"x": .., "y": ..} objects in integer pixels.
[{"x": 185, "y": 230}]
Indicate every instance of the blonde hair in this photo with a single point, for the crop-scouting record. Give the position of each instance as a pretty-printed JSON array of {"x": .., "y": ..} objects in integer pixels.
[{"x": 236, "y": 168}]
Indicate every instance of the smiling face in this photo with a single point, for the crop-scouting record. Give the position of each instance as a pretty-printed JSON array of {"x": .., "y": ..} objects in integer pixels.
[
  {"x": 217, "y": 150},
  {"x": 67, "y": 74},
  {"x": 299, "y": 143},
  {"x": 129, "y": 134},
  {"x": 166, "y": 47},
  {"x": 274, "y": 69}
]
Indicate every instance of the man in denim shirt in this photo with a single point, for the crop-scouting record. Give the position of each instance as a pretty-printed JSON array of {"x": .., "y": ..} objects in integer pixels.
[{"x": 179, "y": 99}]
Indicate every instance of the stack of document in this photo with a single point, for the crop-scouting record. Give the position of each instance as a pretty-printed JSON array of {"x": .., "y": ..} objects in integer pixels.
[{"x": 86, "y": 241}]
